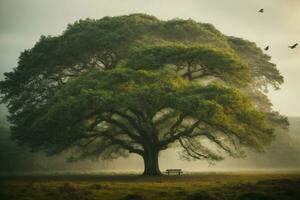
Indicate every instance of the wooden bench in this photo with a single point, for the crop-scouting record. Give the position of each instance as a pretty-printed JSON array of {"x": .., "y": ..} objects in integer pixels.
[{"x": 174, "y": 171}]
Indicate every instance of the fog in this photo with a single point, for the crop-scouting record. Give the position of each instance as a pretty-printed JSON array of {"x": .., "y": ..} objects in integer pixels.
[
  {"x": 283, "y": 154},
  {"x": 23, "y": 22}
]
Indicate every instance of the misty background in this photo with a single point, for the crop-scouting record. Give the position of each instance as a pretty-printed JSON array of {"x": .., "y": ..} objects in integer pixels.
[{"x": 23, "y": 22}]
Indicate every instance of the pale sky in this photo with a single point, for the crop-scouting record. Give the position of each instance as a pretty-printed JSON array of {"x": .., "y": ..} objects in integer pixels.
[{"x": 23, "y": 21}]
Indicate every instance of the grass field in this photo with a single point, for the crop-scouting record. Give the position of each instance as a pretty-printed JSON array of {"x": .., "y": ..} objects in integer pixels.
[{"x": 205, "y": 186}]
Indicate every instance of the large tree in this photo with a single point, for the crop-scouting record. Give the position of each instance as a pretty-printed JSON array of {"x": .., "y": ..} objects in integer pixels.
[{"x": 135, "y": 84}]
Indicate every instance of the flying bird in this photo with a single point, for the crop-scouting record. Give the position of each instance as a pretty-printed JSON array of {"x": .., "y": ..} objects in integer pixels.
[
  {"x": 267, "y": 48},
  {"x": 294, "y": 46},
  {"x": 261, "y": 10}
]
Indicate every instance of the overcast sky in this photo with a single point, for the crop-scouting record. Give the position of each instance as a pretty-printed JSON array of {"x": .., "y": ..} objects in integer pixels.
[{"x": 23, "y": 21}]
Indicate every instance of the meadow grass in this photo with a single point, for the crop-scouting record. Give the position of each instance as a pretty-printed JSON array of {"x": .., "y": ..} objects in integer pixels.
[{"x": 208, "y": 186}]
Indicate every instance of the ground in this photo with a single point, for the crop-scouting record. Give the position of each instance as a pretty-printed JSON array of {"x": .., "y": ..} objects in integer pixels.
[{"x": 203, "y": 186}]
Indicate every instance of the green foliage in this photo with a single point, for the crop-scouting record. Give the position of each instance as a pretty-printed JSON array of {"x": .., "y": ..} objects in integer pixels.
[
  {"x": 105, "y": 94},
  {"x": 263, "y": 71},
  {"x": 136, "y": 84},
  {"x": 196, "y": 61}
]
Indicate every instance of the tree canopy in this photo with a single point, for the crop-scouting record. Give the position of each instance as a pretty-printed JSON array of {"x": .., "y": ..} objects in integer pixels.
[{"x": 136, "y": 84}]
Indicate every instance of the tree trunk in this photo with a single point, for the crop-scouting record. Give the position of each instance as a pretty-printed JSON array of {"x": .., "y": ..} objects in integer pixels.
[{"x": 151, "y": 165}]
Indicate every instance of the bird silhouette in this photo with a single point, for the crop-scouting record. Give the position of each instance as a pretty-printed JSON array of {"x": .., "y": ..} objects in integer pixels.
[
  {"x": 261, "y": 10},
  {"x": 267, "y": 48},
  {"x": 294, "y": 46}
]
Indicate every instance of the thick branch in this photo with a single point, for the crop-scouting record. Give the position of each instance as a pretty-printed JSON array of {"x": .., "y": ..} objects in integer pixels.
[
  {"x": 130, "y": 119},
  {"x": 123, "y": 128},
  {"x": 121, "y": 143},
  {"x": 108, "y": 135},
  {"x": 174, "y": 137},
  {"x": 175, "y": 125}
]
